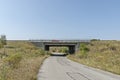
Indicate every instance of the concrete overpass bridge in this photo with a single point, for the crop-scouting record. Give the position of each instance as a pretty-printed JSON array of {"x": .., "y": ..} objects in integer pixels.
[{"x": 73, "y": 45}]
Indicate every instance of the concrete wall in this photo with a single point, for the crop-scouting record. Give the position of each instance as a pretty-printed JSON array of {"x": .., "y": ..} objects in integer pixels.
[{"x": 73, "y": 45}]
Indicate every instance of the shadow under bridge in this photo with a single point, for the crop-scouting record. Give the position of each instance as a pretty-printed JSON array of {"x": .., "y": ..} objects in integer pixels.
[{"x": 71, "y": 46}]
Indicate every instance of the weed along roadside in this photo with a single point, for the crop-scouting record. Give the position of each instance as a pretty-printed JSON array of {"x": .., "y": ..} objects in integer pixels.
[
  {"x": 21, "y": 61},
  {"x": 104, "y": 55}
]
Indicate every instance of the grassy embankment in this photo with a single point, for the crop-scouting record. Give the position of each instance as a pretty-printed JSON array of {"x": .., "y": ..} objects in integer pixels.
[
  {"x": 104, "y": 55},
  {"x": 21, "y": 61}
]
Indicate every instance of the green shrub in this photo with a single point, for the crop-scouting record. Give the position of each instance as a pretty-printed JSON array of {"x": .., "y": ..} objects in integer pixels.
[
  {"x": 95, "y": 39},
  {"x": 3, "y": 71},
  {"x": 47, "y": 52},
  {"x": 14, "y": 60},
  {"x": 83, "y": 50},
  {"x": 39, "y": 52},
  {"x": 1, "y": 46}
]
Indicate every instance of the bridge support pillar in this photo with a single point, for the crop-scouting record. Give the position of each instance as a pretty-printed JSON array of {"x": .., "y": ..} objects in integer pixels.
[{"x": 77, "y": 47}]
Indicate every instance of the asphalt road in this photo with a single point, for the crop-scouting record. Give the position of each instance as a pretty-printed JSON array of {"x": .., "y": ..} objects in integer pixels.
[{"x": 61, "y": 68}]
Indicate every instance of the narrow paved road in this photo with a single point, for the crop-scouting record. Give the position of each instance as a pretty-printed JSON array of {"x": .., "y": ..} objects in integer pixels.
[{"x": 61, "y": 68}]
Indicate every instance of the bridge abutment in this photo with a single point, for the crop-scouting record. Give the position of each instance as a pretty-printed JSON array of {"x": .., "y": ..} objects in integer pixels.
[{"x": 73, "y": 45}]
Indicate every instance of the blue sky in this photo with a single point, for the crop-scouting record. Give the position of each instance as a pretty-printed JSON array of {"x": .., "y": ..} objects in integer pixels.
[{"x": 60, "y": 19}]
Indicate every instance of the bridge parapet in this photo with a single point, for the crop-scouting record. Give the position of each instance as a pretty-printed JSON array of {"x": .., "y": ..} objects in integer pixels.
[{"x": 60, "y": 41}]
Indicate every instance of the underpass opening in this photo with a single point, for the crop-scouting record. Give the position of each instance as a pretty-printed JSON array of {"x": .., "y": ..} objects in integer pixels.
[
  {"x": 70, "y": 49},
  {"x": 58, "y": 49}
]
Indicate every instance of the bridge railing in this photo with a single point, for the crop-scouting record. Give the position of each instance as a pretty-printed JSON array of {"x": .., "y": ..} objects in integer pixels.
[{"x": 59, "y": 40}]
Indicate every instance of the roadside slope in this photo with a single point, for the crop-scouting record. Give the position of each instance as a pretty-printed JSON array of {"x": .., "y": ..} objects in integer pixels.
[
  {"x": 21, "y": 61},
  {"x": 104, "y": 55}
]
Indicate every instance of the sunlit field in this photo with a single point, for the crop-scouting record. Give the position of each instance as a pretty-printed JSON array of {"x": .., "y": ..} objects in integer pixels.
[
  {"x": 104, "y": 55},
  {"x": 20, "y": 60}
]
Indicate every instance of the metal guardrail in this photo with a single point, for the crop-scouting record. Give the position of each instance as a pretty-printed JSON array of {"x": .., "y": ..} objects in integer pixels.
[{"x": 59, "y": 40}]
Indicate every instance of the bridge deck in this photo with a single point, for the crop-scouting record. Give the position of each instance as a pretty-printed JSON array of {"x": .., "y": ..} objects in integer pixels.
[{"x": 62, "y": 41}]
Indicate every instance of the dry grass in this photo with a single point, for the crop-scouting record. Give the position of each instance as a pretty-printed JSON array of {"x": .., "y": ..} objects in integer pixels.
[
  {"x": 104, "y": 55},
  {"x": 27, "y": 70},
  {"x": 32, "y": 57}
]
